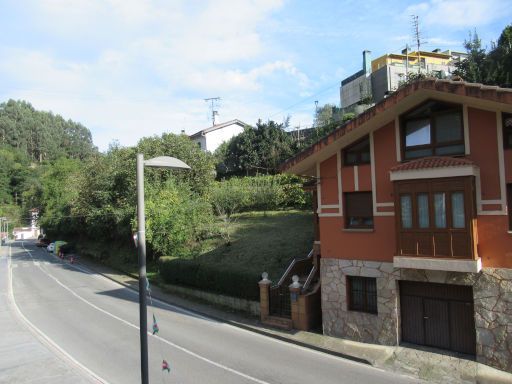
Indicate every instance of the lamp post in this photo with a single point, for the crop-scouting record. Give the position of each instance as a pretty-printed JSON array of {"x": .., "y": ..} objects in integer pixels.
[
  {"x": 3, "y": 228},
  {"x": 157, "y": 162}
]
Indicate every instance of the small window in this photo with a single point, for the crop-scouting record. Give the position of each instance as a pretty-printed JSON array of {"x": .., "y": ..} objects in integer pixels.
[
  {"x": 507, "y": 130},
  {"x": 509, "y": 205},
  {"x": 358, "y": 153},
  {"x": 358, "y": 210},
  {"x": 362, "y": 294}
]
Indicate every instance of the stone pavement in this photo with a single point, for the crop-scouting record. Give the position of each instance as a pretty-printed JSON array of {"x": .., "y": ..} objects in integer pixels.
[
  {"x": 423, "y": 364},
  {"x": 25, "y": 357}
]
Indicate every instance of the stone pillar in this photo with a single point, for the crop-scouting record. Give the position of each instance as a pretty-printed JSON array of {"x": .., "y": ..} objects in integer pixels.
[
  {"x": 296, "y": 308},
  {"x": 264, "y": 295}
]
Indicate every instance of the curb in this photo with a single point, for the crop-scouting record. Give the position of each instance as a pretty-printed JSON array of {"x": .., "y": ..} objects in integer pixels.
[{"x": 242, "y": 326}]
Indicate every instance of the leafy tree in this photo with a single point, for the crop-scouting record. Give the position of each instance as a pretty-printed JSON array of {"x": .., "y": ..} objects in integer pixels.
[
  {"x": 257, "y": 150},
  {"x": 176, "y": 220},
  {"x": 474, "y": 68},
  {"x": 42, "y": 135},
  {"x": 500, "y": 59},
  {"x": 327, "y": 114}
]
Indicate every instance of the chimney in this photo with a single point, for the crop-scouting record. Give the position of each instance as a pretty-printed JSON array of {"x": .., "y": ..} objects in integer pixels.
[{"x": 367, "y": 61}]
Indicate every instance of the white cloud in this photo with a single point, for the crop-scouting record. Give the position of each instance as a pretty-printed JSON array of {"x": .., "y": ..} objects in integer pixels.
[{"x": 459, "y": 13}]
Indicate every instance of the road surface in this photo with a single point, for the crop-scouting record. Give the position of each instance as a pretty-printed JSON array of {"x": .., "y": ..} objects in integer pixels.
[{"x": 94, "y": 322}]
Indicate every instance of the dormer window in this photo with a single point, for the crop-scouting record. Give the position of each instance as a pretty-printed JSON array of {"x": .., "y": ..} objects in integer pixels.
[{"x": 433, "y": 129}]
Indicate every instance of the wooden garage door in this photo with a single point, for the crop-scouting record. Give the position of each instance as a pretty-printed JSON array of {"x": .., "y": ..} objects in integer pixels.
[{"x": 438, "y": 315}]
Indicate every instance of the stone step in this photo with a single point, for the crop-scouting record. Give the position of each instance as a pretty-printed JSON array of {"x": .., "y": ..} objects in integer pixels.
[{"x": 278, "y": 322}]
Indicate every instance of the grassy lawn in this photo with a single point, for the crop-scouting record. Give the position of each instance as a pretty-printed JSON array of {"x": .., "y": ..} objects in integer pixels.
[
  {"x": 263, "y": 241},
  {"x": 260, "y": 241}
]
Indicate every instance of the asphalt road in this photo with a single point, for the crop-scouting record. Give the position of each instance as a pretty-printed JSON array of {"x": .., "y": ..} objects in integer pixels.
[{"x": 95, "y": 322}]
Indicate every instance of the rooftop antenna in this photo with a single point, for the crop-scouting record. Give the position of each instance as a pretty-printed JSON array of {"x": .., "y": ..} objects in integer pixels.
[
  {"x": 213, "y": 104},
  {"x": 417, "y": 37}
]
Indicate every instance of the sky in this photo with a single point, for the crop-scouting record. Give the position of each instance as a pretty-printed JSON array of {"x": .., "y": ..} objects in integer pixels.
[{"x": 127, "y": 69}]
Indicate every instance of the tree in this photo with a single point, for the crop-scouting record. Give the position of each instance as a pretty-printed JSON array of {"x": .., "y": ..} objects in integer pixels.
[
  {"x": 500, "y": 59},
  {"x": 474, "y": 68},
  {"x": 42, "y": 135},
  {"x": 257, "y": 150},
  {"x": 327, "y": 114}
]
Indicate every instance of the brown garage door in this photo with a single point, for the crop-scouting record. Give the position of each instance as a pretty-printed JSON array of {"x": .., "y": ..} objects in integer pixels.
[{"x": 438, "y": 315}]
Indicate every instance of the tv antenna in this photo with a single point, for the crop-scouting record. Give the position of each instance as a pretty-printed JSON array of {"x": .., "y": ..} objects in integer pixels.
[
  {"x": 213, "y": 104},
  {"x": 417, "y": 36}
]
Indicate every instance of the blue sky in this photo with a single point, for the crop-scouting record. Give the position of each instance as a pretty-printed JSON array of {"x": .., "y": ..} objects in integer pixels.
[{"x": 133, "y": 68}]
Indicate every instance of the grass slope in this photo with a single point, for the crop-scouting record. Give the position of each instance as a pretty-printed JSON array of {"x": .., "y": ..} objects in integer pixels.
[{"x": 263, "y": 242}]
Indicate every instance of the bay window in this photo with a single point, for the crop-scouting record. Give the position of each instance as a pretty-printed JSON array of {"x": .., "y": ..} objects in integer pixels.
[{"x": 434, "y": 217}]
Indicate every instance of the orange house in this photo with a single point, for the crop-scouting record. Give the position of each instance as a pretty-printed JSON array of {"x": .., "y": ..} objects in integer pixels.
[{"x": 414, "y": 205}]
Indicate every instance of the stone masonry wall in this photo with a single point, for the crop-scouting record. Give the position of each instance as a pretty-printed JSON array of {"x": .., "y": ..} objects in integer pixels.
[
  {"x": 492, "y": 293},
  {"x": 359, "y": 326}
]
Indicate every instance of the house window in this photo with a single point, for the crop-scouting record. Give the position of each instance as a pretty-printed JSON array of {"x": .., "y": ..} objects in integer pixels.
[
  {"x": 357, "y": 153},
  {"x": 434, "y": 217},
  {"x": 362, "y": 294},
  {"x": 433, "y": 129},
  {"x": 509, "y": 205},
  {"x": 507, "y": 130},
  {"x": 358, "y": 210}
]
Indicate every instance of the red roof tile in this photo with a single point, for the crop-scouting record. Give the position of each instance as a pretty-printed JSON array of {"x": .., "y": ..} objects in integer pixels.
[{"x": 432, "y": 162}]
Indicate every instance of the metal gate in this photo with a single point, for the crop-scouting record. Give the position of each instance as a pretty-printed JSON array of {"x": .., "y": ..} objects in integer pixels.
[
  {"x": 279, "y": 301},
  {"x": 438, "y": 315}
]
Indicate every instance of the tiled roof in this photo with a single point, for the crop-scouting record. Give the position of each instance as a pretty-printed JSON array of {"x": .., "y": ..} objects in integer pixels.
[
  {"x": 432, "y": 162},
  {"x": 456, "y": 88}
]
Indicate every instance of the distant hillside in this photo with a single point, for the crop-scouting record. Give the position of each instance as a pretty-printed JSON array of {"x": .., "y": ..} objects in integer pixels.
[{"x": 42, "y": 135}]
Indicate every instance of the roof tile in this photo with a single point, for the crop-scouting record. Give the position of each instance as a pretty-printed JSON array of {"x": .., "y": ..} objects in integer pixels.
[{"x": 432, "y": 162}]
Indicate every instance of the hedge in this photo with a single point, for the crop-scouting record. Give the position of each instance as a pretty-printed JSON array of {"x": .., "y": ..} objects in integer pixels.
[{"x": 211, "y": 278}]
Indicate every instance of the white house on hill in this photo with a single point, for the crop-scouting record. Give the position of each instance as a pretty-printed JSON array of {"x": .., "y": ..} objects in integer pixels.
[{"x": 211, "y": 138}]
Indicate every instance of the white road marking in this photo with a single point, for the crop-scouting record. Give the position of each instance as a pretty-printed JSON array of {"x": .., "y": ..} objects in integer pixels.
[
  {"x": 233, "y": 327},
  {"x": 185, "y": 350},
  {"x": 40, "y": 334}
]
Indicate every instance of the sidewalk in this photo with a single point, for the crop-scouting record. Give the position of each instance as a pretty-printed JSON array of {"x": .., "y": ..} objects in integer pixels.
[
  {"x": 432, "y": 367},
  {"x": 24, "y": 357}
]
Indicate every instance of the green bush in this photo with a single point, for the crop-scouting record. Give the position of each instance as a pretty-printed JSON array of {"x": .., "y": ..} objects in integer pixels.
[
  {"x": 259, "y": 193},
  {"x": 212, "y": 278}
]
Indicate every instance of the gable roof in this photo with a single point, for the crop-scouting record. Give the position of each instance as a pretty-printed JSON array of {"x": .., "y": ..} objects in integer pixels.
[
  {"x": 218, "y": 126},
  {"x": 491, "y": 97}
]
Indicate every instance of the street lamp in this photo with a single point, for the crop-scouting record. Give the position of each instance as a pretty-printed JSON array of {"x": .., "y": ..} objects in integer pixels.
[
  {"x": 3, "y": 227},
  {"x": 157, "y": 162}
]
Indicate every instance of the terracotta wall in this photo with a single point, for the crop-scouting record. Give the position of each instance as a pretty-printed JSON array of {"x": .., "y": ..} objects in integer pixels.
[
  {"x": 329, "y": 181},
  {"x": 338, "y": 243},
  {"x": 494, "y": 243},
  {"x": 484, "y": 150},
  {"x": 384, "y": 144}
]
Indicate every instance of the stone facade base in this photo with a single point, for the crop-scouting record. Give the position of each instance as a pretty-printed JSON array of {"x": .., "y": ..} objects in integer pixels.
[{"x": 492, "y": 294}]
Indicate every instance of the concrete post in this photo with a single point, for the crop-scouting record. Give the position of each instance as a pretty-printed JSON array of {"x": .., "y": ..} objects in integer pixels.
[
  {"x": 264, "y": 296},
  {"x": 296, "y": 310}
]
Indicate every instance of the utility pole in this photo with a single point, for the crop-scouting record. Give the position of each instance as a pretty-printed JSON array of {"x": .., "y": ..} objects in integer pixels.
[{"x": 212, "y": 101}]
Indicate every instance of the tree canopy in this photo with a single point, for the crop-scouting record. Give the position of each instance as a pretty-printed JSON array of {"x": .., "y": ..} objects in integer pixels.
[
  {"x": 42, "y": 135},
  {"x": 493, "y": 67}
]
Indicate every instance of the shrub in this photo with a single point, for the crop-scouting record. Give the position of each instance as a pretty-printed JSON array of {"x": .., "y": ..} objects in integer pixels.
[
  {"x": 220, "y": 279},
  {"x": 259, "y": 193}
]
